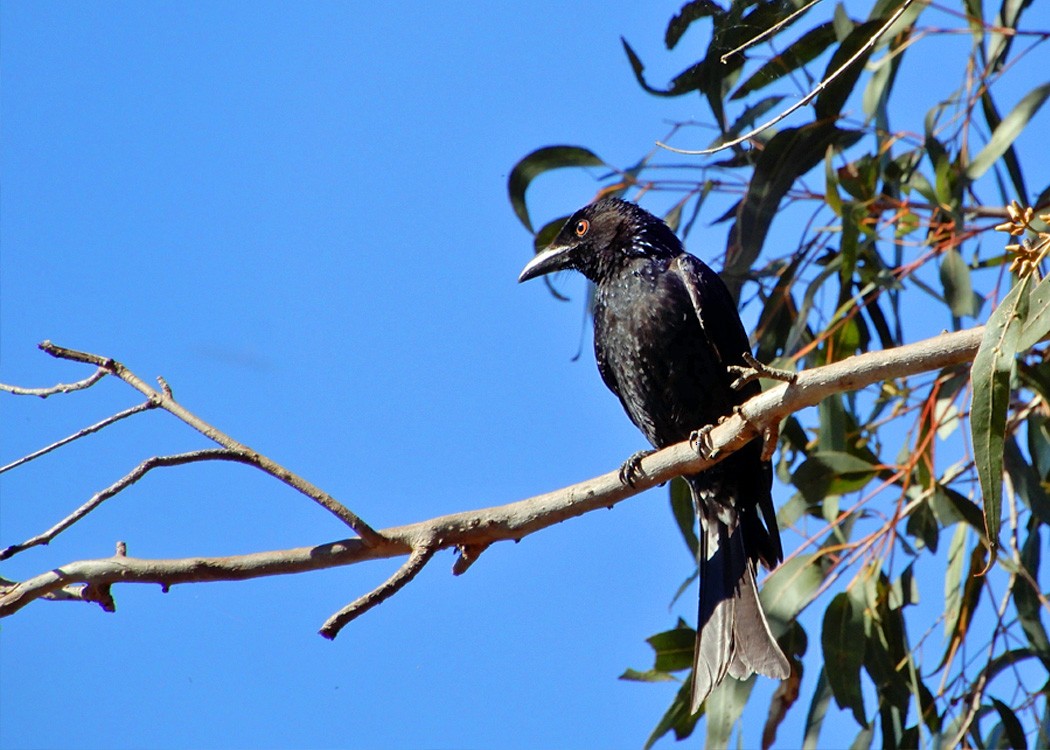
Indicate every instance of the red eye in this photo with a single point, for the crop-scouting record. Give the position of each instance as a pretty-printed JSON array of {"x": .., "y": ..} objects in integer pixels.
[{"x": 582, "y": 226}]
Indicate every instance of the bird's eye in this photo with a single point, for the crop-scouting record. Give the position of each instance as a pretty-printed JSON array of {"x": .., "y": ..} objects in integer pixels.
[{"x": 582, "y": 226}]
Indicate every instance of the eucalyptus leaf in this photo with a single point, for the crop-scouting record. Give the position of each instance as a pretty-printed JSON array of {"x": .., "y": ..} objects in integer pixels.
[{"x": 990, "y": 376}]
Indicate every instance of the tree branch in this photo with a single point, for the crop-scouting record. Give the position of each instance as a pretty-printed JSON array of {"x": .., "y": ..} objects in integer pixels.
[
  {"x": 178, "y": 459},
  {"x": 144, "y": 406},
  {"x": 166, "y": 401},
  {"x": 474, "y": 530},
  {"x": 87, "y": 382}
]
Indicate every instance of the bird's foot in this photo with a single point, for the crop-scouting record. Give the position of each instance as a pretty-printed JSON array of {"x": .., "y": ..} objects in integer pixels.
[
  {"x": 631, "y": 469},
  {"x": 700, "y": 441},
  {"x": 770, "y": 433},
  {"x": 755, "y": 370}
]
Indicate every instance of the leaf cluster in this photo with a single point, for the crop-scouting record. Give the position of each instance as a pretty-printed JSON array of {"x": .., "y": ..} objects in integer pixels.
[{"x": 908, "y": 600}]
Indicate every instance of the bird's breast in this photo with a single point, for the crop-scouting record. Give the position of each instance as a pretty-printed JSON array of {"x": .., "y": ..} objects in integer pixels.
[{"x": 652, "y": 353}]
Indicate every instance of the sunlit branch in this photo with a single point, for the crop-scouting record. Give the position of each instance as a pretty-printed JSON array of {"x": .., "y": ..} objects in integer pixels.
[{"x": 474, "y": 530}]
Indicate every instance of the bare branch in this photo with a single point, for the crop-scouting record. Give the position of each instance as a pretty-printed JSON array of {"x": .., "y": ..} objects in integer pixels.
[
  {"x": 87, "y": 382},
  {"x": 178, "y": 459},
  {"x": 416, "y": 561},
  {"x": 76, "y": 435},
  {"x": 865, "y": 48},
  {"x": 475, "y": 530},
  {"x": 164, "y": 400}
]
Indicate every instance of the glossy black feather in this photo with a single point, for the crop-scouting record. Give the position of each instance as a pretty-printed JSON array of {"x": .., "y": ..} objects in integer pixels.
[{"x": 665, "y": 330}]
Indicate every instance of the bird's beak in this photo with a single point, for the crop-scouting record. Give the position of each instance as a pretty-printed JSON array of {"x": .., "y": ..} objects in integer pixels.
[{"x": 554, "y": 258}]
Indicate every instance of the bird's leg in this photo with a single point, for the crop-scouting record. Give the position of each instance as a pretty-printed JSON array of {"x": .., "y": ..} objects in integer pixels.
[
  {"x": 755, "y": 370},
  {"x": 632, "y": 467}
]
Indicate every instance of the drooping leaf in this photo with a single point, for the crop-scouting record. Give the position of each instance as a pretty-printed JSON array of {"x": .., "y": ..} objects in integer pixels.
[
  {"x": 674, "y": 648},
  {"x": 540, "y": 161},
  {"x": 688, "y": 80},
  {"x": 953, "y": 578},
  {"x": 1037, "y": 323},
  {"x": 787, "y": 156},
  {"x": 1025, "y": 480},
  {"x": 784, "y": 697},
  {"x": 723, "y": 709},
  {"x": 1026, "y": 600},
  {"x": 831, "y": 473},
  {"x": 676, "y": 718},
  {"x": 843, "y": 642},
  {"x": 818, "y": 709},
  {"x": 833, "y": 96},
  {"x": 789, "y": 589},
  {"x": 1000, "y": 37},
  {"x": 800, "y": 52},
  {"x": 967, "y": 604},
  {"x": 990, "y": 375},
  {"x": 684, "y": 515},
  {"x": 650, "y": 675},
  {"x": 1004, "y": 135},
  {"x": 955, "y": 278},
  {"x": 691, "y": 11},
  {"x": 1012, "y": 729},
  {"x": 1013, "y": 164}
]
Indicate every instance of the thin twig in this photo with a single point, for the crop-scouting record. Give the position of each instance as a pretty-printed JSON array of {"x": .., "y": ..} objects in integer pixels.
[
  {"x": 178, "y": 459},
  {"x": 823, "y": 84},
  {"x": 416, "y": 561},
  {"x": 82, "y": 433},
  {"x": 977, "y": 694},
  {"x": 771, "y": 30},
  {"x": 87, "y": 382},
  {"x": 164, "y": 400}
]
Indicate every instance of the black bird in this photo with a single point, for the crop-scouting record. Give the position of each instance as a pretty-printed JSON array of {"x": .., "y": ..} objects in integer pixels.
[{"x": 665, "y": 330}]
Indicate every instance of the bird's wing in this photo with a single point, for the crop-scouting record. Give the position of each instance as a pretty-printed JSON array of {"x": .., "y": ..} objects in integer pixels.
[{"x": 714, "y": 308}]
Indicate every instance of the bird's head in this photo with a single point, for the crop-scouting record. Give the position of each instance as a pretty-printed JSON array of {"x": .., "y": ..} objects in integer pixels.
[{"x": 602, "y": 238}]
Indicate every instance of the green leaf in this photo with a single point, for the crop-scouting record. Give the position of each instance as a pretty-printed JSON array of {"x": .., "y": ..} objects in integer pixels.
[
  {"x": 723, "y": 709},
  {"x": 540, "y": 161},
  {"x": 787, "y": 156},
  {"x": 818, "y": 709},
  {"x": 831, "y": 473},
  {"x": 990, "y": 375},
  {"x": 650, "y": 675},
  {"x": 1025, "y": 480},
  {"x": 833, "y": 96},
  {"x": 953, "y": 578},
  {"x": 1026, "y": 600},
  {"x": 1037, "y": 323},
  {"x": 691, "y": 11},
  {"x": 789, "y": 589},
  {"x": 674, "y": 648},
  {"x": 967, "y": 604},
  {"x": 677, "y": 718},
  {"x": 1008, "y": 130},
  {"x": 800, "y": 52},
  {"x": 684, "y": 515},
  {"x": 1011, "y": 726},
  {"x": 955, "y": 278},
  {"x": 843, "y": 642}
]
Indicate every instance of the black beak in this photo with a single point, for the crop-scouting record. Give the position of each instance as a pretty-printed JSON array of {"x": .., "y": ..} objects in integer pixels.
[{"x": 554, "y": 258}]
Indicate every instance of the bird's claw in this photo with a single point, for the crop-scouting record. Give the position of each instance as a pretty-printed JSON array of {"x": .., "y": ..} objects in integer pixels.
[
  {"x": 755, "y": 370},
  {"x": 700, "y": 441},
  {"x": 631, "y": 470}
]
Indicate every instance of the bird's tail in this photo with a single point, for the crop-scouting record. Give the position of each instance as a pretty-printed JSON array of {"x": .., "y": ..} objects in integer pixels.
[{"x": 732, "y": 635}]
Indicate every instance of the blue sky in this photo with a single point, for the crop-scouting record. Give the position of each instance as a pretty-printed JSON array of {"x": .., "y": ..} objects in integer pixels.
[{"x": 297, "y": 214}]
